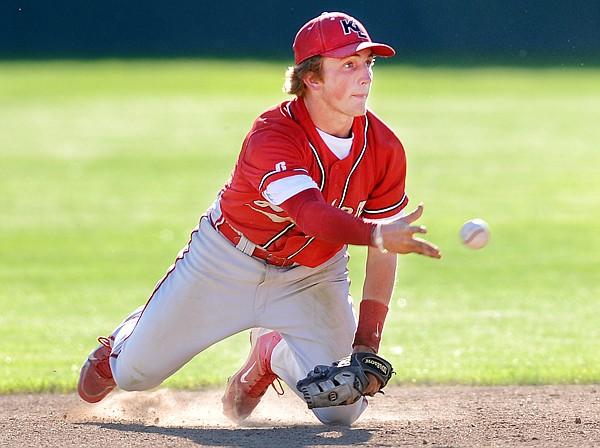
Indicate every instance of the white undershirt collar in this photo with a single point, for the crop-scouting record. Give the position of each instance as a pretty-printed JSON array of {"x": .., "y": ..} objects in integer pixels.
[{"x": 339, "y": 146}]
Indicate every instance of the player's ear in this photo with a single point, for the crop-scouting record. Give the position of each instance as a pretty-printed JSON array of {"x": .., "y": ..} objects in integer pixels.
[{"x": 312, "y": 81}]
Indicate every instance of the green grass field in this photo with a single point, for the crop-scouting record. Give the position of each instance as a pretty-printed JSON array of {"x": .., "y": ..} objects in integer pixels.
[{"x": 105, "y": 167}]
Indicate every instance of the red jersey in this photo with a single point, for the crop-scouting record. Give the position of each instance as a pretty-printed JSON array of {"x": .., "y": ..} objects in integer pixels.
[{"x": 283, "y": 141}]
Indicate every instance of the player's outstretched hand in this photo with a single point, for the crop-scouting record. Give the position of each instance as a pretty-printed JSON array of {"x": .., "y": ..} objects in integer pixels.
[{"x": 399, "y": 236}]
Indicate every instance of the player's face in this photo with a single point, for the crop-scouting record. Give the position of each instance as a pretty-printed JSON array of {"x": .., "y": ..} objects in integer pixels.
[{"x": 346, "y": 83}]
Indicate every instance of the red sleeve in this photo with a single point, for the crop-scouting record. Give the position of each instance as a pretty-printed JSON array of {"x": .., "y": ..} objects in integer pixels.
[{"x": 317, "y": 218}]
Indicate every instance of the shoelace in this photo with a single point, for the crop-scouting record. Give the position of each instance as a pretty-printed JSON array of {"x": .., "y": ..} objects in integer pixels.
[
  {"x": 104, "y": 341},
  {"x": 259, "y": 388},
  {"x": 103, "y": 367},
  {"x": 278, "y": 381}
]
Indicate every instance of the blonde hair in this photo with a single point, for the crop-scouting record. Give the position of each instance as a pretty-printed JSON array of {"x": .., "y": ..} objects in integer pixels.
[{"x": 294, "y": 75}]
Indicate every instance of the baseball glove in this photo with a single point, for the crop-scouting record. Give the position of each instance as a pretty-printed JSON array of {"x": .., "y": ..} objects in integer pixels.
[{"x": 344, "y": 381}]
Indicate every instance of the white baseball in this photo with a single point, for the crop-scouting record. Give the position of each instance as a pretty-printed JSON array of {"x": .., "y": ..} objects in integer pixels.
[{"x": 475, "y": 233}]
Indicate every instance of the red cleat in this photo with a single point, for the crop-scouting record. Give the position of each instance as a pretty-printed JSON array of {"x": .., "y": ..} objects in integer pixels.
[
  {"x": 248, "y": 385},
  {"x": 96, "y": 379}
]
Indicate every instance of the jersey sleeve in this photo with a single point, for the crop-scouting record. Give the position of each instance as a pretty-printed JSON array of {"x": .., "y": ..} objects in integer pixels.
[
  {"x": 281, "y": 190},
  {"x": 272, "y": 156}
]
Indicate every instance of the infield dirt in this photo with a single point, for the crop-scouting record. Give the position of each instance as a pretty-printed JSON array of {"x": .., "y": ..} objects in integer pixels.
[{"x": 542, "y": 416}]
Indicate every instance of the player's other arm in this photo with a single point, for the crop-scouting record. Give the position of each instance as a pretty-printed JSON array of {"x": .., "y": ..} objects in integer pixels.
[{"x": 380, "y": 277}]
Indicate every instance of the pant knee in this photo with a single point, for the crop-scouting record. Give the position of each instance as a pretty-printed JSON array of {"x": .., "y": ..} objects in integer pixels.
[
  {"x": 341, "y": 415},
  {"x": 130, "y": 380}
]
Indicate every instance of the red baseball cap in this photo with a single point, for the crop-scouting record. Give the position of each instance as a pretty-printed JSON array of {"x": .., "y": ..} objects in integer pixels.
[{"x": 335, "y": 35}]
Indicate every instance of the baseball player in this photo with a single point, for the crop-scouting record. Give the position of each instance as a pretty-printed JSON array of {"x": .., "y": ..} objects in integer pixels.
[{"x": 315, "y": 174}]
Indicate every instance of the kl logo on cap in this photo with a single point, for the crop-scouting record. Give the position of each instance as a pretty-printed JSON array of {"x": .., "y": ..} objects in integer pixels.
[{"x": 350, "y": 27}]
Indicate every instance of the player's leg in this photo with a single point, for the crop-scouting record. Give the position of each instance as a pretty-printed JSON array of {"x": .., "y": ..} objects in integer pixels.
[
  {"x": 285, "y": 302},
  {"x": 203, "y": 299},
  {"x": 318, "y": 328}
]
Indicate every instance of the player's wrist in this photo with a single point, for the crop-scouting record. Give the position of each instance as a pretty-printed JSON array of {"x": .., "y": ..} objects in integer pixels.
[
  {"x": 377, "y": 238},
  {"x": 363, "y": 349}
]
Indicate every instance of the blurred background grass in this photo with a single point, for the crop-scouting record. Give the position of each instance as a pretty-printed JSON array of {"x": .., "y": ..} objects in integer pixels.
[{"x": 106, "y": 166}]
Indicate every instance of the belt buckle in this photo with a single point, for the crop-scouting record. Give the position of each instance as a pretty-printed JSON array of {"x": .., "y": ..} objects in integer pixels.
[
  {"x": 275, "y": 261},
  {"x": 268, "y": 259}
]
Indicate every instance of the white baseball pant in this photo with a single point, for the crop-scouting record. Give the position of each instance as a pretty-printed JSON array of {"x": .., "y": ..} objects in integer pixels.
[{"x": 214, "y": 291}]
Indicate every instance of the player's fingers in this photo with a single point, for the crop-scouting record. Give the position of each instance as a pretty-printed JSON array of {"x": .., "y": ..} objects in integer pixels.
[
  {"x": 417, "y": 229},
  {"x": 414, "y": 215},
  {"x": 421, "y": 246},
  {"x": 426, "y": 248},
  {"x": 373, "y": 386}
]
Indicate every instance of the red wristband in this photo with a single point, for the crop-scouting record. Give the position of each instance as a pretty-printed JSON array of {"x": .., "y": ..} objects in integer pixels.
[{"x": 371, "y": 318}]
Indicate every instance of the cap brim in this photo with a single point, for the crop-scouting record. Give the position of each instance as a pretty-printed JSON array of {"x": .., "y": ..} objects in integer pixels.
[{"x": 382, "y": 50}]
